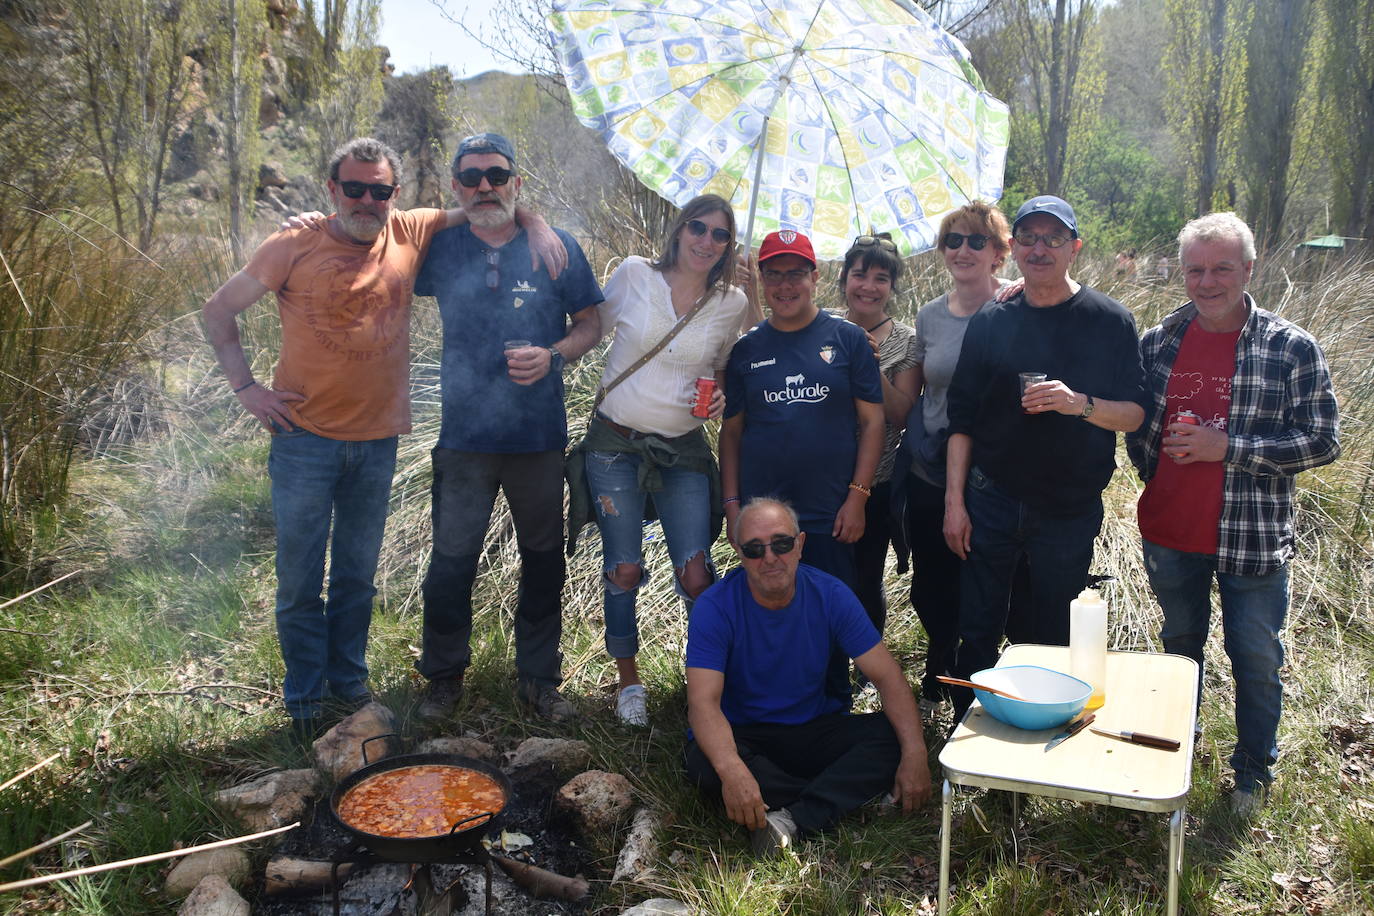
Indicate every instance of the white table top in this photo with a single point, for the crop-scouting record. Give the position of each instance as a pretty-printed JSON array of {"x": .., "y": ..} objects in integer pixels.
[{"x": 1146, "y": 692}]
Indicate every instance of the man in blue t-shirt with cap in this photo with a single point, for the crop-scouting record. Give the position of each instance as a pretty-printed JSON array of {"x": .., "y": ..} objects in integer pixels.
[
  {"x": 508, "y": 332},
  {"x": 784, "y": 754}
]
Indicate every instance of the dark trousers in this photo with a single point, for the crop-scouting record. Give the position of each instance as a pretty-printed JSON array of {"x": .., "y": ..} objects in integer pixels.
[
  {"x": 818, "y": 770},
  {"x": 464, "y": 492},
  {"x": 1059, "y": 549},
  {"x": 935, "y": 574},
  {"x": 870, "y": 554}
]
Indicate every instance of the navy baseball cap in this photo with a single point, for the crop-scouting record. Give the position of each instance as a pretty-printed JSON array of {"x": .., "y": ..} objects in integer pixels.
[
  {"x": 1054, "y": 206},
  {"x": 486, "y": 143}
]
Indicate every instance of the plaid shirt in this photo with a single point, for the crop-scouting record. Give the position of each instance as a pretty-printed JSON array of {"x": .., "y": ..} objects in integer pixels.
[{"x": 1283, "y": 420}]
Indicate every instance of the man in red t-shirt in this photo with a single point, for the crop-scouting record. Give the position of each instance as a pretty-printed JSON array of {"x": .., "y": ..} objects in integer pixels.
[{"x": 1218, "y": 498}]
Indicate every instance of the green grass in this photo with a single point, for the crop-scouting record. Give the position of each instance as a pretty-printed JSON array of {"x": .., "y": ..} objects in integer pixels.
[{"x": 171, "y": 537}]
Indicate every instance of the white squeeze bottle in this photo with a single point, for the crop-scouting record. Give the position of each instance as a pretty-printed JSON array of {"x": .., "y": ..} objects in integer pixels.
[{"x": 1088, "y": 643}]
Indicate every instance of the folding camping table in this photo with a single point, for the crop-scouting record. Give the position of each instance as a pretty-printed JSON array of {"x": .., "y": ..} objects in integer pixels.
[{"x": 1148, "y": 692}]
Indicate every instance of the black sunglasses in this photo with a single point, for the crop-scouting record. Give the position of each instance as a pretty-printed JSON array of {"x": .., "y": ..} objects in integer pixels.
[
  {"x": 781, "y": 544},
  {"x": 955, "y": 240},
  {"x": 356, "y": 189},
  {"x": 718, "y": 235},
  {"x": 868, "y": 241},
  {"x": 495, "y": 176}
]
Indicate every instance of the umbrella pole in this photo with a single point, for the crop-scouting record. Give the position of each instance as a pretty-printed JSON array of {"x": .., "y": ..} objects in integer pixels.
[{"x": 754, "y": 192}]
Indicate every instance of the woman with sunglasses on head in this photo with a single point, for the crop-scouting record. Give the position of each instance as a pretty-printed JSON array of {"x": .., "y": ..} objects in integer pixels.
[
  {"x": 868, "y": 280},
  {"x": 974, "y": 242},
  {"x": 645, "y": 441}
]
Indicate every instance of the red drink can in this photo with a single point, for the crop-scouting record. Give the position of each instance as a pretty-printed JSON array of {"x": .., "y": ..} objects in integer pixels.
[
  {"x": 706, "y": 388},
  {"x": 1187, "y": 416}
]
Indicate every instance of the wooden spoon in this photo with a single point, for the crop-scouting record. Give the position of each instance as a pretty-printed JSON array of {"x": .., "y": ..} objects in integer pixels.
[{"x": 960, "y": 682}]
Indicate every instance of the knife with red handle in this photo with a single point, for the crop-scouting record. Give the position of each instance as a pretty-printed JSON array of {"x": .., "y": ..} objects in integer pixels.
[{"x": 1164, "y": 744}]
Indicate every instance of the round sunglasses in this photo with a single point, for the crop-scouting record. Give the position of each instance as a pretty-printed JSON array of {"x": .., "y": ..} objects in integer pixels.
[
  {"x": 955, "y": 241},
  {"x": 868, "y": 241},
  {"x": 718, "y": 235}
]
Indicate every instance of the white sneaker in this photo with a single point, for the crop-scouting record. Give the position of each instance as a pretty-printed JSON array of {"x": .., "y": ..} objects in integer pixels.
[
  {"x": 631, "y": 705},
  {"x": 776, "y": 835}
]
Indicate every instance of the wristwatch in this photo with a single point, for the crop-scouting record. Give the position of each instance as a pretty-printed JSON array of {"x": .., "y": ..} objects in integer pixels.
[
  {"x": 1087, "y": 408},
  {"x": 556, "y": 359}
]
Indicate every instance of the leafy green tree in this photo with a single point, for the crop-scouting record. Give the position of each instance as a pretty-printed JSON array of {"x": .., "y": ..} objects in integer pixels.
[
  {"x": 1058, "y": 49},
  {"x": 1348, "y": 80},
  {"x": 348, "y": 75},
  {"x": 1206, "y": 99},
  {"x": 135, "y": 89},
  {"x": 234, "y": 84},
  {"x": 1278, "y": 76}
]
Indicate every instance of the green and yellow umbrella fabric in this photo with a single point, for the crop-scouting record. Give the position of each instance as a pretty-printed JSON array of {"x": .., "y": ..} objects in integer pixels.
[{"x": 830, "y": 117}]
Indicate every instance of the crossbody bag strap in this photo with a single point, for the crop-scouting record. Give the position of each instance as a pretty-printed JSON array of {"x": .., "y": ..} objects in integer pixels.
[{"x": 667, "y": 339}]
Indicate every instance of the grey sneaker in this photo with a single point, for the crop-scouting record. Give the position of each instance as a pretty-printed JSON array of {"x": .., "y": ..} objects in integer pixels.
[
  {"x": 776, "y": 835},
  {"x": 547, "y": 701},
  {"x": 1245, "y": 804},
  {"x": 631, "y": 705},
  {"x": 441, "y": 696}
]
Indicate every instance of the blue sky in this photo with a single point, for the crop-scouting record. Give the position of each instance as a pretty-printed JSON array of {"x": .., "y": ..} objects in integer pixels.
[{"x": 419, "y": 36}]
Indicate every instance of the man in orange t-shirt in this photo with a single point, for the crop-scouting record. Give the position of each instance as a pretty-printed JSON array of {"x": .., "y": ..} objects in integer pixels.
[{"x": 339, "y": 399}]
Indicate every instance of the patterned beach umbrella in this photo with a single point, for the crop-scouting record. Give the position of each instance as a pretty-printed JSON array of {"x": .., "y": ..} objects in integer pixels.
[{"x": 830, "y": 117}]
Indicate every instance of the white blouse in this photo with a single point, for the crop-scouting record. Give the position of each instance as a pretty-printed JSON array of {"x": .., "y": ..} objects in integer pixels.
[{"x": 639, "y": 306}]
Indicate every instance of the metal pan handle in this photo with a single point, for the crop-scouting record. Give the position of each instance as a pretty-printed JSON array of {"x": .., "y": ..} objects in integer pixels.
[
  {"x": 367, "y": 741},
  {"x": 486, "y": 814}
]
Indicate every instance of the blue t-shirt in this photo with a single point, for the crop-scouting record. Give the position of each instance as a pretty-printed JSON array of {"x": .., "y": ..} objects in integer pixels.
[
  {"x": 797, "y": 391},
  {"x": 775, "y": 662},
  {"x": 483, "y": 410}
]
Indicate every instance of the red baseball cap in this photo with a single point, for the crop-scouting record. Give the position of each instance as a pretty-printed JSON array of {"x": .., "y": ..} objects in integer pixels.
[{"x": 786, "y": 241}]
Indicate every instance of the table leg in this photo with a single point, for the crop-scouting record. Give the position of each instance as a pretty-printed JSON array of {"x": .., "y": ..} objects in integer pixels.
[
  {"x": 1175, "y": 858},
  {"x": 947, "y": 795}
]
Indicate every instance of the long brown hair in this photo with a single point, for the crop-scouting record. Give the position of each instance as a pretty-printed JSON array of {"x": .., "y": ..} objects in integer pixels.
[{"x": 722, "y": 273}]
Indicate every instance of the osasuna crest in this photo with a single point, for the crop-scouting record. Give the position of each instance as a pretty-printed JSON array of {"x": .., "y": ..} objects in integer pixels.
[
  {"x": 787, "y": 237},
  {"x": 827, "y": 353}
]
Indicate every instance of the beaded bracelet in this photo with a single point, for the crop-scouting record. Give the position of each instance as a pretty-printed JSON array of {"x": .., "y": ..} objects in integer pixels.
[{"x": 861, "y": 488}]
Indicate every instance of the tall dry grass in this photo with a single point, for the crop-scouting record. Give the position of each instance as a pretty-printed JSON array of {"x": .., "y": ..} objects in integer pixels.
[{"x": 77, "y": 304}]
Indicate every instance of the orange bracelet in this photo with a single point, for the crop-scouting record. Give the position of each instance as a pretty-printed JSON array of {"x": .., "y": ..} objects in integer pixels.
[{"x": 861, "y": 488}]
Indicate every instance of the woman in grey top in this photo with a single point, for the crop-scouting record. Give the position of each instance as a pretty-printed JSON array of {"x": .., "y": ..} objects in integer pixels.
[
  {"x": 867, "y": 282},
  {"x": 974, "y": 241}
]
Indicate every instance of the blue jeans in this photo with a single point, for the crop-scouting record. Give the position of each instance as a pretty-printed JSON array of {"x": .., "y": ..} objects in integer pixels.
[
  {"x": 1059, "y": 549},
  {"x": 1253, "y": 609},
  {"x": 684, "y": 509},
  {"x": 315, "y": 481}
]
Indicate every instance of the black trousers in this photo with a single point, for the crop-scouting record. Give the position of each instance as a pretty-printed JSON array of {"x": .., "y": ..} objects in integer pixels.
[
  {"x": 935, "y": 572},
  {"x": 818, "y": 770}
]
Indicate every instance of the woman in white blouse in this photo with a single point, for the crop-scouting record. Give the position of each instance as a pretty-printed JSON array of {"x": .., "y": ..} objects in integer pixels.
[{"x": 645, "y": 442}]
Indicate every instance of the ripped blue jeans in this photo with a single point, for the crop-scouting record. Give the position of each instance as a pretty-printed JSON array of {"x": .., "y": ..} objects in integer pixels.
[{"x": 684, "y": 509}]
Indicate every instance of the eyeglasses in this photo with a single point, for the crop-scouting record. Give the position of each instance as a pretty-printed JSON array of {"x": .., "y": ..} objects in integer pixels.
[
  {"x": 774, "y": 277},
  {"x": 868, "y": 241},
  {"x": 955, "y": 241},
  {"x": 1027, "y": 239},
  {"x": 495, "y": 176},
  {"x": 493, "y": 270},
  {"x": 782, "y": 544},
  {"x": 718, "y": 235},
  {"x": 356, "y": 189}
]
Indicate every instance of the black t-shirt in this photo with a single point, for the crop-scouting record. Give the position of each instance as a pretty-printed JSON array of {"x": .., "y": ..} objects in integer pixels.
[{"x": 1055, "y": 463}]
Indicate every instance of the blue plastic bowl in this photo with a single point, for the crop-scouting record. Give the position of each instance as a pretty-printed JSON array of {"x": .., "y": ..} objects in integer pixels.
[{"x": 1051, "y": 697}]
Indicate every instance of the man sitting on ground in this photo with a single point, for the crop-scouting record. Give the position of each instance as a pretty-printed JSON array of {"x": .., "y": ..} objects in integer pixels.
[{"x": 787, "y": 758}]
